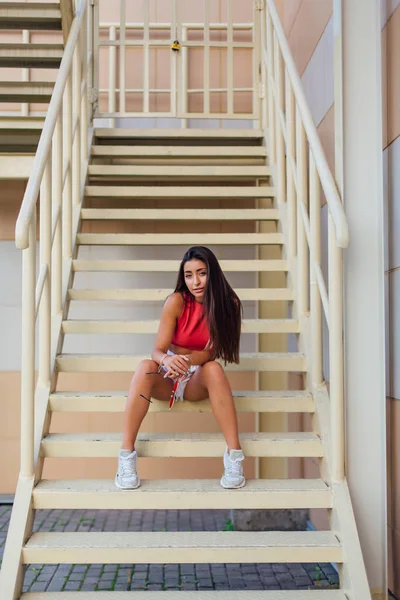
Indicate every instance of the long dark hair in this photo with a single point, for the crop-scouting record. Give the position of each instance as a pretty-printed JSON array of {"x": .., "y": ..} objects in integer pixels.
[{"x": 222, "y": 307}]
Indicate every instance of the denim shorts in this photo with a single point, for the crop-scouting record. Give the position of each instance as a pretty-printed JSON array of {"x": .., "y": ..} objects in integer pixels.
[{"x": 180, "y": 390}]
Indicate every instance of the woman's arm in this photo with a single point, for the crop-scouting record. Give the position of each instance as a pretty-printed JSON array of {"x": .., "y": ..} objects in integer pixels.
[{"x": 171, "y": 312}]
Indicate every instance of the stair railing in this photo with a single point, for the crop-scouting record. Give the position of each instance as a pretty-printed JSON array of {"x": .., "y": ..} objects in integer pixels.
[
  {"x": 58, "y": 172},
  {"x": 301, "y": 171}
]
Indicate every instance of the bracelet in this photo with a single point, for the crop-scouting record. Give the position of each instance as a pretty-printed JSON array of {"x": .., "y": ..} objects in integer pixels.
[{"x": 163, "y": 358}]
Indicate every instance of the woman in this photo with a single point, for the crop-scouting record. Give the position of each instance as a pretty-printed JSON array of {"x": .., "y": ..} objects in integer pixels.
[{"x": 200, "y": 322}]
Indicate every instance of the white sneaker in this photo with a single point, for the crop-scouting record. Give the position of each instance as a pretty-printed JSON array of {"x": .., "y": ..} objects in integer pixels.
[
  {"x": 233, "y": 476},
  {"x": 126, "y": 477}
]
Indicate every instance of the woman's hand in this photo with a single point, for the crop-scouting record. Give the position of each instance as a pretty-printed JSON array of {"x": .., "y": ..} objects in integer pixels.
[{"x": 178, "y": 366}]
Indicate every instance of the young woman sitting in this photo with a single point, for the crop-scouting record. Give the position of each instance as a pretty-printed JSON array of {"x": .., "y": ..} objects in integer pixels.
[{"x": 200, "y": 322}]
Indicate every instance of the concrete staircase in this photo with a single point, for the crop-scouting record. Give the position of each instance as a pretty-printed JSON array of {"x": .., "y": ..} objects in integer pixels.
[
  {"x": 155, "y": 180},
  {"x": 20, "y": 130}
]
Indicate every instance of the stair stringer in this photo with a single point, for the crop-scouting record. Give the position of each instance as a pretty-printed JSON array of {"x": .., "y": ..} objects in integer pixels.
[{"x": 22, "y": 517}]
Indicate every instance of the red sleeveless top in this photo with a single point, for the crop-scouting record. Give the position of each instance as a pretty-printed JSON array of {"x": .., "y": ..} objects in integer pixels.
[{"x": 191, "y": 330}]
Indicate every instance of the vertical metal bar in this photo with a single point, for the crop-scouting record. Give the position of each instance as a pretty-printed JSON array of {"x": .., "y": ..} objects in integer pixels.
[
  {"x": 76, "y": 141},
  {"x": 28, "y": 353},
  {"x": 94, "y": 63},
  {"x": 271, "y": 98},
  {"x": 184, "y": 78},
  {"x": 57, "y": 186},
  {"x": 84, "y": 102},
  {"x": 290, "y": 161},
  {"x": 230, "y": 65},
  {"x": 174, "y": 57},
  {"x": 280, "y": 143},
  {"x": 112, "y": 75},
  {"x": 336, "y": 355},
  {"x": 122, "y": 56},
  {"x": 256, "y": 61},
  {"x": 206, "y": 50},
  {"x": 315, "y": 259},
  {"x": 25, "y": 74},
  {"x": 45, "y": 259},
  {"x": 67, "y": 154},
  {"x": 146, "y": 57},
  {"x": 302, "y": 249},
  {"x": 260, "y": 57}
]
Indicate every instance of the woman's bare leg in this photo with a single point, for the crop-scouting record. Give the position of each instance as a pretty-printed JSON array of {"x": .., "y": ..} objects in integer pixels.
[
  {"x": 136, "y": 406},
  {"x": 210, "y": 381}
]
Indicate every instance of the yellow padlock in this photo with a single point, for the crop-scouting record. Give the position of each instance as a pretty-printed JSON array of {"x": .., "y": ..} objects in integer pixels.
[{"x": 175, "y": 46}]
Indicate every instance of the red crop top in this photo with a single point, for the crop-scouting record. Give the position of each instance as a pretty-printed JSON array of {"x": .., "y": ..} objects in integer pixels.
[{"x": 191, "y": 330}]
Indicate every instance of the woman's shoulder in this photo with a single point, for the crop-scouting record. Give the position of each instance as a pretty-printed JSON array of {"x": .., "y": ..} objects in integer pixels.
[{"x": 175, "y": 302}]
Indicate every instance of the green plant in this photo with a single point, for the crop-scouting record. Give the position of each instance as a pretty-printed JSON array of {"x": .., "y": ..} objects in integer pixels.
[
  {"x": 229, "y": 526},
  {"x": 318, "y": 577}
]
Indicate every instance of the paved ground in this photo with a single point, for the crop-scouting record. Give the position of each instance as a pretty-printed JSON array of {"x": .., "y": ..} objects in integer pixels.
[{"x": 156, "y": 577}]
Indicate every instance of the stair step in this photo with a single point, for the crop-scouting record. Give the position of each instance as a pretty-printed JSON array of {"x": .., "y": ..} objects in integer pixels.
[
  {"x": 151, "y": 326},
  {"x": 16, "y": 167},
  {"x": 193, "y": 595},
  {"x": 245, "y": 401},
  {"x": 187, "y": 494},
  {"x": 178, "y": 239},
  {"x": 19, "y": 135},
  {"x": 174, "y": 192},
  {"x": 157, "y": 295},
  {"x": 179, "y": 171},
  {"x": 101, "y": 445},
  {"x": 200, "y": 134},
  {"x": 25, "y": 91},
  {"x": 176, "y": 214},
  {"x": 35, "y": 15},
  {"x": 31, "y": 55},
  {"x": 187, "y": 547},
  {"x": 163, "y": 266},
  {"x": 179, "y": 151},
  {"x": 200, "y": 595},
  {"x": 251, "y": 361},
  {"x": 13, "y": 123}
]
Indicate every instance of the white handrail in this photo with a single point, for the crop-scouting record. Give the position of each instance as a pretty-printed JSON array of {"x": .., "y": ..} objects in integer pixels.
[
  {"x": 301, "y": 170},
  {"x": 32, "y": 189},
  {"x": 57, "y": 172},
  {"x": 335, "y": 205}
]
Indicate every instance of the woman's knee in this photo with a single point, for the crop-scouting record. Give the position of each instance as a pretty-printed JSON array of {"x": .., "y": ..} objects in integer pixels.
[
  {"x": 213, "y": 370},
  {"x": 146, "y": 368}
]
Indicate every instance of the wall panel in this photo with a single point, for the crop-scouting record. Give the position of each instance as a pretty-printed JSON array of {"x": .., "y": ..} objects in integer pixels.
[{"x": 307, "y": 29}]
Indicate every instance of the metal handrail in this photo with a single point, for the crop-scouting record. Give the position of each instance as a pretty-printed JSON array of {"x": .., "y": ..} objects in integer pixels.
[
  {"x": 44, "y": 147},
  {"x": 332, "y": 195}
]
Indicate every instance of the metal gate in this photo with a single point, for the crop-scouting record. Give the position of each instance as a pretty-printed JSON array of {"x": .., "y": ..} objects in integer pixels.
[{"x": 169, "y": 59}]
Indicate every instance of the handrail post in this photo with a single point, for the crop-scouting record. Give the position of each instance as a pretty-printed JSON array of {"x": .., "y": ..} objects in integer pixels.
[
  {"x": 315, "y": 258},
  {"x": 84, "y": 93},
  {"x": 76, "y": 133},
  {"x": 67, "y": 153},
  {"x": 57, "y": 188},
  {"x": 262, "y": 46},
  {"x": 336, "y": 355},
  {"x": 280, "y": 142},
  {"x": 112, "y": 75},
  {"x": 290, "y": 162},
  {"x": 271, "y": 104},
  {"x": 28, "y": 353},
  {"x": 302, "y": 251},
  {"x": 45, "y": 259}
]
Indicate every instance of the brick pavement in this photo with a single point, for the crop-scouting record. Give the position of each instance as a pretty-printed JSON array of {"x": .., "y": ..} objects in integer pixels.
[{"x": 126, "y": 577}]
